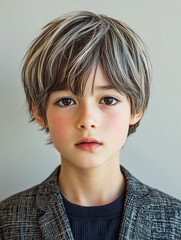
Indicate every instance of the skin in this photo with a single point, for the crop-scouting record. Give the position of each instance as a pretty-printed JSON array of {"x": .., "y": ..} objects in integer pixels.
[{"x": 89, "y": 178}]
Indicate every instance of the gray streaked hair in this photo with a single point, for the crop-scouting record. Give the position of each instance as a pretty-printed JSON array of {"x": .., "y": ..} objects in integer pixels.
[{"x": 70, "y": 46}]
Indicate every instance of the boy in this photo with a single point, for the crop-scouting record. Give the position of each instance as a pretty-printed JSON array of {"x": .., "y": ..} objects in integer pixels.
[{"x": 87, "y": 84}]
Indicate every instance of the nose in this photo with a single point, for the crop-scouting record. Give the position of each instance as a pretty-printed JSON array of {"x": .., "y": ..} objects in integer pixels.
[{"x": 87, "y": 119}]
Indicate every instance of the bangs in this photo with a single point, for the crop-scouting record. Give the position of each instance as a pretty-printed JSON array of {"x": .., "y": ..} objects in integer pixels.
[{"x": 72, "y": 76}]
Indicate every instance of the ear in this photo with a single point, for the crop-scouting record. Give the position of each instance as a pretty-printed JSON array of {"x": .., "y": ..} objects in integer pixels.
[
  {"x": 37, "y": 116},
  {"x": 134, "y": 119}
]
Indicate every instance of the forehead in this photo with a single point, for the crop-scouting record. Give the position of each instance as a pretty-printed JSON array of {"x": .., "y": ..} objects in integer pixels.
[
  {"x": 92, "y": 80},
  {"x": 97, "y": 80}
]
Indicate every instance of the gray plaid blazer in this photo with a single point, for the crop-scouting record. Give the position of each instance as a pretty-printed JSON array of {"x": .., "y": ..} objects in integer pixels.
[{"x": 39, "y": 213}]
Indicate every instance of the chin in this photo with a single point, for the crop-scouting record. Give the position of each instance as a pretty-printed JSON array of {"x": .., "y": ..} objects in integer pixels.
[{"x": 89, "y": 164}]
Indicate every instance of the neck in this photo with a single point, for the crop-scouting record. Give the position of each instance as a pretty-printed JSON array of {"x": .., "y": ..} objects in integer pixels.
[{"x": 91, "y": 187}]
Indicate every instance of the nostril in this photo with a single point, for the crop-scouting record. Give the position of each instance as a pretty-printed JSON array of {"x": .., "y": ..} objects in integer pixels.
[{"x": 83, "y": 126}]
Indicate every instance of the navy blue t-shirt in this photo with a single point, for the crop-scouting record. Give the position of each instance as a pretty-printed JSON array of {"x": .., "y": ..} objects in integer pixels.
[{"x": 98, "y": 223}]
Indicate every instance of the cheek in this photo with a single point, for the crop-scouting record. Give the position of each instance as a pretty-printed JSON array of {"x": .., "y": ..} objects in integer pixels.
[
  {"x": 116, "y": 121},
  {"x": 117, "y": 126},
  {"x": 58, "y": 126}
]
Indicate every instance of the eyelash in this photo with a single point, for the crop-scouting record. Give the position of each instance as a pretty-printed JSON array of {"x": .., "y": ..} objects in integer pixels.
[{"x": 70, "y": 100}]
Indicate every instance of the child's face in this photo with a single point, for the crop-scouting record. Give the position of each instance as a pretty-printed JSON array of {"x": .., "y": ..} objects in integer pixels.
[{"x": 104, "y": 115}]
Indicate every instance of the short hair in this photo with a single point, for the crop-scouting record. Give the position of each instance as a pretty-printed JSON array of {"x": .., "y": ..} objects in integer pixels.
[{"x": 68, "y": 48}]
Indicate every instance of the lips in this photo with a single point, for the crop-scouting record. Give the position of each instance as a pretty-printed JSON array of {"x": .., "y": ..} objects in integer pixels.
[
  {"x": 88, "y": 144},
  {"x": 88, "y": 140}
]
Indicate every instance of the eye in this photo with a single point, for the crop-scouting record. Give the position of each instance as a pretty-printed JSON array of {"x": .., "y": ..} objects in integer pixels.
[
  {"x": 65, "y": 102},
  {"x": 109, "y": 100}
]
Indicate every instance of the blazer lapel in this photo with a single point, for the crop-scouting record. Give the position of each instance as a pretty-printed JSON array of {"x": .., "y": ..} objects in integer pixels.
[
  {"x": 54, "y": 223},
  {"x": 55, "y": 226},
  {"x": 135, "y": 224}
]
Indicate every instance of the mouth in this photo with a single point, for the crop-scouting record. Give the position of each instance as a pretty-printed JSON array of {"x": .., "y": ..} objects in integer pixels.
[
  {"x": 88, "y": 140},
  {"x": 88, "y": 144}
]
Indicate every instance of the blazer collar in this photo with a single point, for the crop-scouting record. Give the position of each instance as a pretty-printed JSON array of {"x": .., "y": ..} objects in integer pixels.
[{"x": 53, "y": 222}]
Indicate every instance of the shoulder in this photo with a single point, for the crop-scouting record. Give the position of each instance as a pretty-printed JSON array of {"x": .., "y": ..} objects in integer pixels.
[
  {"x": 27, "y": 198},
  {"x": 138, "y": 188},
  {"x": 162, "y": 206},
  {"x": 19, "y": 200},
  {"x": 26, "y": 205},
  {"x": 156, "y": 202},
  {"x": 160, "y": 200},
  {"x": 163, "y": 198}
]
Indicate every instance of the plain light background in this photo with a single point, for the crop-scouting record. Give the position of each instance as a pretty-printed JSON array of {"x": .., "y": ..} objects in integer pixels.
[{"x": 153, "y": 153}]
